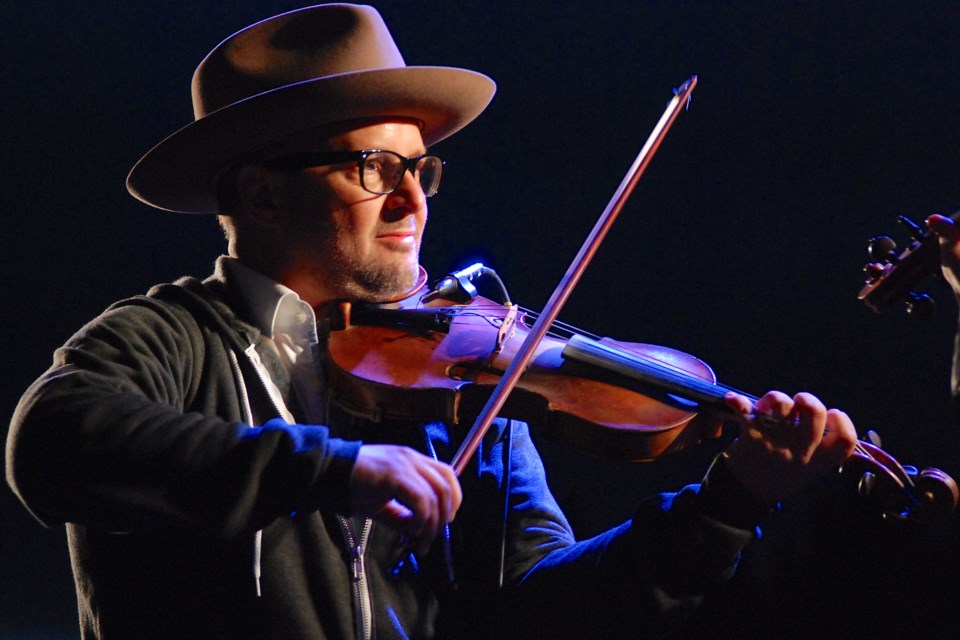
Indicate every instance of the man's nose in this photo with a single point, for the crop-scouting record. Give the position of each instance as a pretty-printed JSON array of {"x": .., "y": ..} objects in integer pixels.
[{"x": 409, "y": 194}]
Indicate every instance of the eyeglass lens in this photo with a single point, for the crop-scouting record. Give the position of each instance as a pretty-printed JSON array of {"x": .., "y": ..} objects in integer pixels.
[{"x": 383, "y": 172}]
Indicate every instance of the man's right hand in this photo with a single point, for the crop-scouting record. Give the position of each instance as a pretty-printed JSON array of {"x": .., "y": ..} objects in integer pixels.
[{"x": 406, "y": 490}]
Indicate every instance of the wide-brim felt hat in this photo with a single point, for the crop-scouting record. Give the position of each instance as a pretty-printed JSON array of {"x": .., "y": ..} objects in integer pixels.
[{"x": 292, "y": 73}]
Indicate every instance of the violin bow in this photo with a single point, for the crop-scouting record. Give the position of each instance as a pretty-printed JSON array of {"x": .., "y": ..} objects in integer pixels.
[{"x": 680, "y": 100}]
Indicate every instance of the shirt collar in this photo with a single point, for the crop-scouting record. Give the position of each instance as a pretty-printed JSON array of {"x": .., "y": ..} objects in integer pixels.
[{"x": 273, "y": 307}]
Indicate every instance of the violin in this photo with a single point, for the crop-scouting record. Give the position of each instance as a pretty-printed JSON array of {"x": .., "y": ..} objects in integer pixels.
[
  {"x": 426, "y": 357},
  {"x": 892, "y": 277}
]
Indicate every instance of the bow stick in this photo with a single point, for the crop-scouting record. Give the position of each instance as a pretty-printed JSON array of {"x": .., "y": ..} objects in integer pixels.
[{"x": 565, "y": 287}]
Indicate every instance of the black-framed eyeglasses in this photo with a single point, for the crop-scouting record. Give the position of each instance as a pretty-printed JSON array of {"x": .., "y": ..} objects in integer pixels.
[{"x": 381, "y": 172}]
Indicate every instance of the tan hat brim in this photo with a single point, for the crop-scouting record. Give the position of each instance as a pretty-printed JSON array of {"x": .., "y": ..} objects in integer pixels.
[{"x": 179, "y": 174}]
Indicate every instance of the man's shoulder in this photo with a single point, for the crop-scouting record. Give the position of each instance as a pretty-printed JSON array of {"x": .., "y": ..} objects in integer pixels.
[{"x": 189, "y": 300}]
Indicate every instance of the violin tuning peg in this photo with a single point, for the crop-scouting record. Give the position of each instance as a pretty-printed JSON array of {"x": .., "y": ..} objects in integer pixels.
[
  {"x": 868, "y": 480},
  {"x": 873, "y": 438},
  {"x": 881, "y": 249},
  {"x": 920, "y": 306},
  {"x": 874, "y": 270}
]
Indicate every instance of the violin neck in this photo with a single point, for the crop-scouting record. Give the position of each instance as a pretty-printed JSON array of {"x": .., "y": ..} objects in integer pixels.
[{"x": 679, "y": 386}]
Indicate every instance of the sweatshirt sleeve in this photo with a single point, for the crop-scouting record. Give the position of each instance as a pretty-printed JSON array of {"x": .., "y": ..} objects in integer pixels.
[
  {"x": 650, "y": 572},
  {"x": 137, "y": 424}
]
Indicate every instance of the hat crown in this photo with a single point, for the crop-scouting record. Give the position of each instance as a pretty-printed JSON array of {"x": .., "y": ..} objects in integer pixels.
[{"x": 298, "y": 46}]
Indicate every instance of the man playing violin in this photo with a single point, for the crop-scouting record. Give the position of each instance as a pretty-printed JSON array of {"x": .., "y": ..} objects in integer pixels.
[
  {"x": 210, "y": 490},
  {"x": 948, "y": 234}
]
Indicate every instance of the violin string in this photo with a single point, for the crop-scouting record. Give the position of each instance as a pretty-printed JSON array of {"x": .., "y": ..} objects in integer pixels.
[
  {"x": 563, "y": 329},
  {"x": 568, "y": 329},
  {"x": 558, "y": 328}
]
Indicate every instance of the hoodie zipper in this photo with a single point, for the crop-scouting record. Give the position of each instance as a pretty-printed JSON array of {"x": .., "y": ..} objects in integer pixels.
[{"x": 363, "y": 605}]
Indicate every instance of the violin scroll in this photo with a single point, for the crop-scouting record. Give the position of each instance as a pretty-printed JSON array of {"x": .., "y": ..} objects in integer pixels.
[
  {"x": 892, "y": 277},
  {"x": 900, "y": 492}
]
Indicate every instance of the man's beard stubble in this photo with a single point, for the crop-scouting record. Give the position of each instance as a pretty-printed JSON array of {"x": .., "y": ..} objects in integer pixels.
[{"x": 371, "y": 280}]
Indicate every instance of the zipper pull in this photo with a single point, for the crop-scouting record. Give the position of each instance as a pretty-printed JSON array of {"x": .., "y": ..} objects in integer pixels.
[{"x": 357, "y": 563}]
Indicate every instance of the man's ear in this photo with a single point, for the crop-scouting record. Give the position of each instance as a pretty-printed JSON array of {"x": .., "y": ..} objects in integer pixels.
[{"x": 258, "y": 190}]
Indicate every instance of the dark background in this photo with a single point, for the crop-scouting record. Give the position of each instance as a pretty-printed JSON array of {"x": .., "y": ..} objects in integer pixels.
[{"x": 814, "y": 124}]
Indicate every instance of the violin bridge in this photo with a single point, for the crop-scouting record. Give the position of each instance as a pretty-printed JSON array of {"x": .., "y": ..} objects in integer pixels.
[{"x": 507, "y": 328}]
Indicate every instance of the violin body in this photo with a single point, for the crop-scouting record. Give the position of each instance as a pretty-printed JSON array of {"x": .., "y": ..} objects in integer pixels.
[{"x": 419, "y": 371}]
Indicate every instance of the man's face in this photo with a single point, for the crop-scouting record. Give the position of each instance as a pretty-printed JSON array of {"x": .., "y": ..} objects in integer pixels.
[{"x": 345, "y": 241}]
